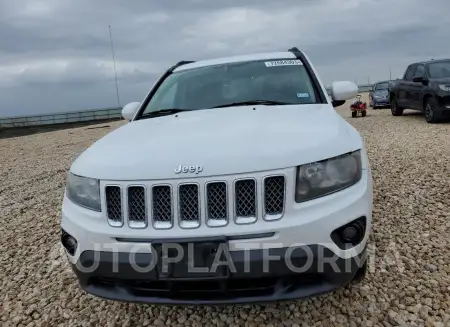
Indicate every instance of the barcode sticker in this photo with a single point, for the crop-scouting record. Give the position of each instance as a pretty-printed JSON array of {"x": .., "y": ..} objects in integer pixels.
[{"x": 283, "y": 63}]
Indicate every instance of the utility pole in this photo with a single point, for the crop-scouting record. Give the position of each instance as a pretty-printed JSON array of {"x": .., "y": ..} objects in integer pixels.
[
  {"x": 390, "y": 74},
  {"x": 114, "y": 65}
]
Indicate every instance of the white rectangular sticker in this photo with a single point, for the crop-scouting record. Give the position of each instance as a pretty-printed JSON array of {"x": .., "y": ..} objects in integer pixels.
[
  {"x": 283, "y": 63},
  {"x": 302, "y": 95}
]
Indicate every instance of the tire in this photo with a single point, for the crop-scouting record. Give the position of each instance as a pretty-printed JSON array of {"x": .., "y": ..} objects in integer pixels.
[
  {"x": 354, "y": 114},
  {"x": 371, "y": 103},
  {"x": 361, "y": 273},
  {"x": 431, "y": 116},
  {"x": 363, "y": 113},
  {"x": 395, "y": 109}
]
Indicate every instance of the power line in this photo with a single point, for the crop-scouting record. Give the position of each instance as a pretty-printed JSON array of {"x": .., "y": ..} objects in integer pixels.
[{"x": 114, "y": 65}]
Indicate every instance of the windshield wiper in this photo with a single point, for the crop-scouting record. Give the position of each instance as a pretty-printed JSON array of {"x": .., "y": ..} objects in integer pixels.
[
  {"x": 163, "y": 112},
  {"x": 254, "y": 102}
]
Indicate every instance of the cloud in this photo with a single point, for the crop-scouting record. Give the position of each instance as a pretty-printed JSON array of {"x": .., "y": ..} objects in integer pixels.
[
  {"x": 56, "y": 56},
  {"x": 72, "y": 71}
]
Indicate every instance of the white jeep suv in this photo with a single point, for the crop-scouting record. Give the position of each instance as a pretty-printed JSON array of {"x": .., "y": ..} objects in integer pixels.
[{"x": 234, "y": 181}]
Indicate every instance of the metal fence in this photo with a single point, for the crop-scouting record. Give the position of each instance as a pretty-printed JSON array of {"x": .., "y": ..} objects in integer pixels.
[
  {"x": 61, "y": 118},
  {"x": 365, "y": 87},
  {"x": 84, "y": 116}
]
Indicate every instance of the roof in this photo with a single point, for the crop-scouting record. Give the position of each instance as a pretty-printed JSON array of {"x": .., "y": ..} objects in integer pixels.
[
  {"x": 429, "y": 61},
  {"x": 248, "y": 57}
]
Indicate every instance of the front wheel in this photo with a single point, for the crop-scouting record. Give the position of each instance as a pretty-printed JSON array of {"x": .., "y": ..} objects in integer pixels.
[
  {"x": 354, "y": 114},
  {"x": 363, "y": 113},
  {"x": 431, "y": 116},
  {"x": 395, "y": 109},
  {"x": 361, "y": 273}
]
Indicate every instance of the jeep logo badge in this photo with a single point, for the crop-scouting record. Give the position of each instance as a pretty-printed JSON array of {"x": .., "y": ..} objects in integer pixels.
[{"x": 188, "y": 169}]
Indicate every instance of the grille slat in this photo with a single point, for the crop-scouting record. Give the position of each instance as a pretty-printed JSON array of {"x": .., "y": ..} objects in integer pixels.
[
  {"x": 162, "y": 206},
  {"x": 189, "y": 205},
  {"x": 274, "y": 189},
  {"x": 216, "y": 203},
  {"x": 245, "y": 201},
  {"x": 114, "y": 205},
  {"x": 137, "y": 209}
]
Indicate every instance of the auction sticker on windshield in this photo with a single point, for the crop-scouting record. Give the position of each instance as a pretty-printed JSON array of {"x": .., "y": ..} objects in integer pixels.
[{"x": 283, "y": 63}]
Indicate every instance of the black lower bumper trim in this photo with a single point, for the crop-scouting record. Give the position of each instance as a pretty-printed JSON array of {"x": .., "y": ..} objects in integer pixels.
[{"x": 257, "y": 276}]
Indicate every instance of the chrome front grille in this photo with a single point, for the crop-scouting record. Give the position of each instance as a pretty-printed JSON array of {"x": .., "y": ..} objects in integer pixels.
[
  {"x": 188, "y": 205},
  {"x": 216, "y": 203},
  {"x": 114, "y": 205},
  {"x": 162, "y": 208},
  {"x": 245, "y": 200},
  {"x": 137, "y": 209},
  {"x": 274, "y": 192}
]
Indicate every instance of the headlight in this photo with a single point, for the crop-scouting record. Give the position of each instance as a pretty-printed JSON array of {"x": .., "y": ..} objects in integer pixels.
[
  {"x": 328, "y": 176},
  {"x": 445, "y": 88},
  {"x": 84, "y": 191}
]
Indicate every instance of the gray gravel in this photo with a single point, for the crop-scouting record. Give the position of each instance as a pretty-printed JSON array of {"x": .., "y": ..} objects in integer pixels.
[{"x": 408, "y": 283}]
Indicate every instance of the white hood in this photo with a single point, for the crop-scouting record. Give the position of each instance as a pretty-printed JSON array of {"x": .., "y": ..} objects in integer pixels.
[{"x": 222, "y": 141}]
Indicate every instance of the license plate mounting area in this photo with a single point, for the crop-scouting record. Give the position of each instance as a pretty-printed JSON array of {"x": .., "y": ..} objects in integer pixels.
[{"x": 196, "y": 259}]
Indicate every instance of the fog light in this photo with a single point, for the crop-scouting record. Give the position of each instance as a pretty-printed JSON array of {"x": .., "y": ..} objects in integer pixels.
[
  {"x": 350, "y": 234},
  {"x": 69, "y": 242}
]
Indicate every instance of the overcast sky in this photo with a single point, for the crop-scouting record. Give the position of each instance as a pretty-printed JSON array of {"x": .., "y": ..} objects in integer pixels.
[{"x": 55, "y": 55}]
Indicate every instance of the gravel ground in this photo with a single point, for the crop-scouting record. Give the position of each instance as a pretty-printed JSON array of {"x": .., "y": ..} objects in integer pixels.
[{"x": 408, "y": 283}]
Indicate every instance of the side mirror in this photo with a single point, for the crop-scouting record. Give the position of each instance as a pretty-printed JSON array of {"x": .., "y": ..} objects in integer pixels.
[
  {"x": 343, "y": 91},
  {"x": 130, "y": 110}
]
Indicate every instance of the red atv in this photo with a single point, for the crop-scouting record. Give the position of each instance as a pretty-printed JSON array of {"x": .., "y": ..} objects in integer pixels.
[{"x": 358, "y": 107}]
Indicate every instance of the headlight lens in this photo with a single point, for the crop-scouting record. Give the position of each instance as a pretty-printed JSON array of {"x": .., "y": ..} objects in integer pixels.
[
  {"x": 445, "y": 88},
  {"x": 328, "y": 176},
  {"x": 84, "y": 191}
]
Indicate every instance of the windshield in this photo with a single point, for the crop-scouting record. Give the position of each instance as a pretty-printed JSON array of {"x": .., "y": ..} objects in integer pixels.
[
  {"x": 284, "y": 81},
  {"x": 381, "y": 86},
  {"x": 439, "y": 69}
]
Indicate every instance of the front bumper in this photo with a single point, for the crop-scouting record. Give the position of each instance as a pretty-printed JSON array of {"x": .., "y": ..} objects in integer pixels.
[
  {"x": 256, "y": 276},
  {"x": 308, "y": 226},
  {"x": 381, "y": 102},
  {"x": 443, "y": 101}
]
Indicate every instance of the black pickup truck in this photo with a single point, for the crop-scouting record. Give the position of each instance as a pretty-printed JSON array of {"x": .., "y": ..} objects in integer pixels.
[{"x": 425, "y": 86}]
